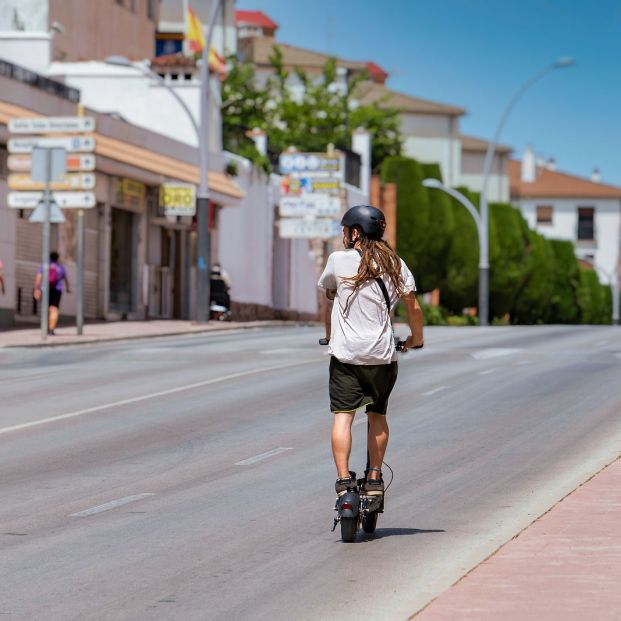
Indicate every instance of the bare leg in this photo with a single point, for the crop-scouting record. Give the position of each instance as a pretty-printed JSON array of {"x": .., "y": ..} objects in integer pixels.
[
  {"x": 53, "y": 317},
  {"x": 377, "y": 442},
  {"x": 341, "y": 442}
]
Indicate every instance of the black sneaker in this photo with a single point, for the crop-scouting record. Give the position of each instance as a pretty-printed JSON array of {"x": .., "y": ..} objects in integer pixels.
[
  {"x": 373, "y": 487},
  {"x": 342, "y": 485}
]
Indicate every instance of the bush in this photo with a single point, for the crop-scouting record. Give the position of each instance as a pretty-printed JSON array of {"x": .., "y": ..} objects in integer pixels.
[
  {"x": 564, "y": 306},
  {"x": 460, "y": 285},
  {"x": 508, "y": 267},
  {"x": 412, "y": 214},
  {"x": 594, "y": 299},
  {"x": 434, "y": 315}
]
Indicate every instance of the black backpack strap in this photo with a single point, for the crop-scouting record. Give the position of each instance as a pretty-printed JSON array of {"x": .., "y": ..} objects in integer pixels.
[
  {"x": 382, "y": 286},
  {"x": 380, "y": 282}
]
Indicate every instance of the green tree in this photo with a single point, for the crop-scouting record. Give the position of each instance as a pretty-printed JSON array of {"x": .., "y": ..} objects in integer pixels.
[
  {"x": 243, "y": 109},
  {"x": 459, "y": 288},
  {"x": 309, "y": 117}
]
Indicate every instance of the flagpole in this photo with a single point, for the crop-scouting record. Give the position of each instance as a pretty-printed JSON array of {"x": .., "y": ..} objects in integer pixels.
[{"x": 186, "y": 27}]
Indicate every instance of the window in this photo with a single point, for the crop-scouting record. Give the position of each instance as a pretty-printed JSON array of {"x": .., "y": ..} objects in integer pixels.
[
  {"x": 132, "y": 5},
  {"x": 586, "y": 223},
  {"x": 120, "y": 2},
  {"x": 544, "y": 214},
  {"x": 151, "y": 10}
]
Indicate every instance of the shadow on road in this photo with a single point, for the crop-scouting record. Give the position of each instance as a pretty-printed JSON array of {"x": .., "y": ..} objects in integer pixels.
[{"x": 380, "y": 533}]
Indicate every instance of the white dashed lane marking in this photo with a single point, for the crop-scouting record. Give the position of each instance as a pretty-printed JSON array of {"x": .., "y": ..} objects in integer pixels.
[
  {"x": 487, "y": 371},
  {"x": 262, "y": 456},
  {"x": 434, "y": 391},
  {"x": 113, "y": 504},
  {"x": 493, "y": 352}
]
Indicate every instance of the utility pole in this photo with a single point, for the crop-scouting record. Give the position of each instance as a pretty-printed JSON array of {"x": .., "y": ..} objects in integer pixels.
[{"x": 202, "y": 201}]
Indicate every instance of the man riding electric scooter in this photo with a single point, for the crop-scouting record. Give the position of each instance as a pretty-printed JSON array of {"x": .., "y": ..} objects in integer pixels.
[{"x": 365, "y": 280}]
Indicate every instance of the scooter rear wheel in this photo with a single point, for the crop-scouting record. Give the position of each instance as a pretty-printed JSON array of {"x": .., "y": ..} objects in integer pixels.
[
  {"x": 369, "y": 522},
  {"x": 349, "y": 526}
]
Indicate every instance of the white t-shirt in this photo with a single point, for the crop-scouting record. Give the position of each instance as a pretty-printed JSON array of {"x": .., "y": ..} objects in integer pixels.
[{"x": 363, "y": 335}]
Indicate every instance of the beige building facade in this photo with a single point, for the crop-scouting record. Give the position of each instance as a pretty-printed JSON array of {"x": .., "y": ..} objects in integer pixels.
[{"x": 138, "y": 262}]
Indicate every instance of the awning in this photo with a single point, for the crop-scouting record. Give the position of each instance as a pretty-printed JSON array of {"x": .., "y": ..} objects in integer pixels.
[{"x": 224, "y": 189}]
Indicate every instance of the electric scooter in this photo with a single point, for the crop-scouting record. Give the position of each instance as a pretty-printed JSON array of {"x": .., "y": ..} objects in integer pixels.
[{"x": 355, "y": 509}]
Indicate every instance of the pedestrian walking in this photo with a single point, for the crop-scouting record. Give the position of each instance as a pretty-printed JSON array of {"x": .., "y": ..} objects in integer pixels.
[
  {"x": 57, "y": 280},
  {"x": 2, "y": 288},
  {"x": 365, "y": 280}
]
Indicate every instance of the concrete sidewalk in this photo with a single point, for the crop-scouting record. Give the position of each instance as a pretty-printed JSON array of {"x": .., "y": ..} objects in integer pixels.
[
  {"x": 124, "y": 330},
  {"x": 565, "y": 565}
]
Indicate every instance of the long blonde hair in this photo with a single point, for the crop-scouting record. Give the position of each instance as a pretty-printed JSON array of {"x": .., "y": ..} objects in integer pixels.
[{"x": 377, "y": 259}]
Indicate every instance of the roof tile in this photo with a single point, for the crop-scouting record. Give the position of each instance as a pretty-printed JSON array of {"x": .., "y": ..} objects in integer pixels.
[{"x": 554, "y": 184}]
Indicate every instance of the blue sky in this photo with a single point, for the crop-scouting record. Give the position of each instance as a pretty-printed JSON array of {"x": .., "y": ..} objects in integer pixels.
[{"x": 476, "y": 53}]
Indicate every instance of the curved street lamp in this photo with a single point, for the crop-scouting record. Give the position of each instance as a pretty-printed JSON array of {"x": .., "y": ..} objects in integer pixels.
[
  {"x": 559, "y": 63},
  {"x": 201, "y": 129},
  {"x": 435, "y": 184}
]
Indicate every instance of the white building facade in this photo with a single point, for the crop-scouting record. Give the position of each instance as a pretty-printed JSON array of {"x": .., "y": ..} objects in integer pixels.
[{"x": 563, "y": 206}]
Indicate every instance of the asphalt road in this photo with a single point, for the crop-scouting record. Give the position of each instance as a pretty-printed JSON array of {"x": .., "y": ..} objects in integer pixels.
[{"x": 191, "y": 478}]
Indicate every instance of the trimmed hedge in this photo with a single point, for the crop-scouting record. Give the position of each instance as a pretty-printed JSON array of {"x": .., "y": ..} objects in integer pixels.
[{"x": 532, "y": 279}]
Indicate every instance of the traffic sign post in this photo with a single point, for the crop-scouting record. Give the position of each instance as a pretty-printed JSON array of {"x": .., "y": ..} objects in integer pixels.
[
  {"x": 39, "y": 165},
  {"x": 51, "y": 161}
]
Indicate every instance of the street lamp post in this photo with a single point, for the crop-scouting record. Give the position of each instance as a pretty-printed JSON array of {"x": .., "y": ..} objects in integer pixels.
[
  {"x": 202, "y": 135},
  {"x": 560, "y": 63},
  {"x": 481, "y": 231}
]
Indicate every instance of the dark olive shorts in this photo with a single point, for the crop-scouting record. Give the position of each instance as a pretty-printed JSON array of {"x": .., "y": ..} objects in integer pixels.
[{"x": 353, "y": 386}]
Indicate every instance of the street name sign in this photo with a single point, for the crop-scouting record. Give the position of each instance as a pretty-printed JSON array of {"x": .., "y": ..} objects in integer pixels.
[
  {"x": 299, "y": 228},
  {"x": 80, "y": 144},
  {"x": 56, "y": 215},
  {"x": 71, "y": 181},
  {"x": 310, "y": 205},
  {"x": 66, "y": 200},
  {"x": 178, "y": 199},
  {"x": 73, "y": 162},
  {"x": 52, "y": 124}
]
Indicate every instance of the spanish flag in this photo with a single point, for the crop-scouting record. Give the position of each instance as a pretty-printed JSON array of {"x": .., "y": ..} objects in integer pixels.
[
  {"x": 196, "y": 42},
  {"x": 194, "y": 34}
]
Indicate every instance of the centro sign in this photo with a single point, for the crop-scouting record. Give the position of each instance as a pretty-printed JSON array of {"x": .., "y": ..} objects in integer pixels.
[{"x": 178, "y": 199}]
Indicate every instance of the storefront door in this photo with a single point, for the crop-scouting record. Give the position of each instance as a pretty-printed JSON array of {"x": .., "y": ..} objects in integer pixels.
[{"x": 122, "y": 261}]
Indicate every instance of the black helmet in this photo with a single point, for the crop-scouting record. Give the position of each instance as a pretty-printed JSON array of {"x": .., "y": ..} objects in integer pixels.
[{"x": 369, "y": 219}]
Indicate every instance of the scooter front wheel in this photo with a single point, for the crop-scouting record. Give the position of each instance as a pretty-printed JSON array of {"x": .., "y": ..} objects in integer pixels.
[{"x": 349, "y": 526}]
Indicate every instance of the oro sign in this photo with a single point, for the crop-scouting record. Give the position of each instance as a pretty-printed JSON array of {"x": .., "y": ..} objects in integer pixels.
[{"x": 178, "y": 199}]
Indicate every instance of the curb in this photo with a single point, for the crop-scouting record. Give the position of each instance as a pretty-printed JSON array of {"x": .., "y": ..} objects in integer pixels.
[{"x": 134, "y": 337}]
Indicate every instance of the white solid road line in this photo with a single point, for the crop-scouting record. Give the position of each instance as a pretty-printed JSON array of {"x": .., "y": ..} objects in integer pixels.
[
  {"x": 153, "y": 395},
  {"x": 113, "y": 504},
  {"x": 434, "y": 391},
  {"x": 262, "y": 456}
]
